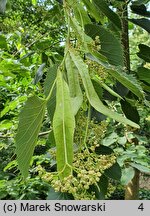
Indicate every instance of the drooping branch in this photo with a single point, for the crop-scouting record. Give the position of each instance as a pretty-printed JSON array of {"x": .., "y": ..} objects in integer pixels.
[{"x": 40, "y": 134}]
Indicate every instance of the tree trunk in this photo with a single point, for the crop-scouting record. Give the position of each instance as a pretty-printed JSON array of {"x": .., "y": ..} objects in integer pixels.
[
  {"x": 132, "y": 189},
  {"x": 125, "y": 37}
]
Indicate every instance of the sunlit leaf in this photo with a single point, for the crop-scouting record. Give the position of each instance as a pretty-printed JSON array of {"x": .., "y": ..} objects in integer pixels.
[
  {"x": 6, "y": 124},
  {"x": 112, "y": 138},
  {"x": 34, "y": 2},
  {"x": 30, "y": 121},
  {"x": 13, "y": 105},
  {"x": 122, "y": 140},
  {"x": 10, "y": 165}
]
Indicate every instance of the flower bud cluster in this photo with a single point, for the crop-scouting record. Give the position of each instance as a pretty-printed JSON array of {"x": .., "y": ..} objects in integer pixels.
[
  {"x": 80, "y": 128},
  {"x": 52, "y": 153},
  {"x": 96, "y": 44},
  {"x": 96, "y": 133},
  {"x": 92, "y": 164},
  {"x": 88, "y": 168},
  {"x": 96, "y": 69},
  {"x": 74, "y": 186},
  {"x": 110, "y": 190}
]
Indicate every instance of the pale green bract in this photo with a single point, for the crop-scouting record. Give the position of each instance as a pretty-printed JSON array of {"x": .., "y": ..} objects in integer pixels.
[
  {"x": 74, "y": 86},
  {"x": 92, "y": 95},
  {"x": 92, "y": 9},
  {"x": 63, "y": 126},
  {"x": 103, "y": 7},
  {"x": 128, "y": 80}
]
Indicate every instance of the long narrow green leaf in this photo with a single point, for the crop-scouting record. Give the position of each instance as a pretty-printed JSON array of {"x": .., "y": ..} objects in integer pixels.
[
  {"x": 128, "y": 80},
  {"x": 144, "y": 52},
  {"x": 107, "y": 88},
  {"x": 85, "y": 39},
  {"x": 30, "y": 121},
  {"x": 63, "y": 125},
  {"x": 104, "y": 8},
  {"x": 141, "y": 168},
  {"x": 144, "y": 23},
  {"x": 139, "y": 2},
  {"x": 91, "y": 94},
  {"x": 92, "y": 10},
  {"x": 81, "y": 15},
  {"x": 144, "y": 74},
  {"x": 50, "y": 79},
  {"x": 74, "y": 86}
]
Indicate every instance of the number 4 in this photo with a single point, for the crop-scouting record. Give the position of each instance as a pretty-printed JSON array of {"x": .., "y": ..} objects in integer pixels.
[{"x": 141, "y": 207}]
